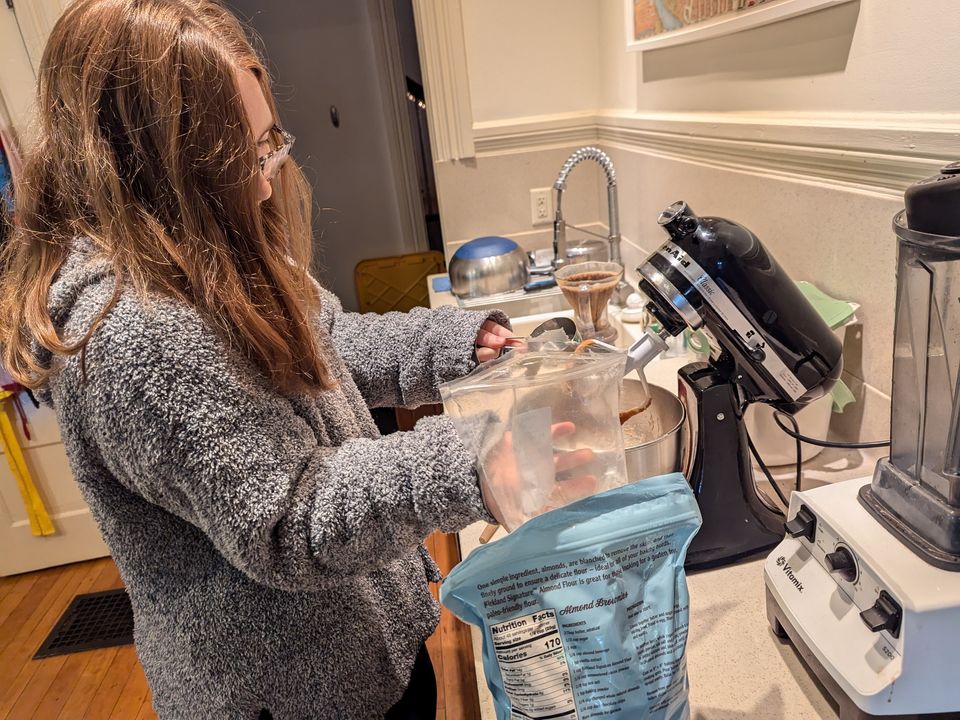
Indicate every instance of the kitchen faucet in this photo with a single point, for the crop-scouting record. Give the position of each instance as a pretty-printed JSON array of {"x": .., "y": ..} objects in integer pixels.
[{"x": 619, "y": 296}]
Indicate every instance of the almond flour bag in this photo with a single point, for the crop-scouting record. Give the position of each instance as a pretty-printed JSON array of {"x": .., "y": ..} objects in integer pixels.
[{"x": 584, "y": 609}]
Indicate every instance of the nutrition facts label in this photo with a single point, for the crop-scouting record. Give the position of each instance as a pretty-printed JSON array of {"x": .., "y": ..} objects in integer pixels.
[{"x": 534, "y": 668}]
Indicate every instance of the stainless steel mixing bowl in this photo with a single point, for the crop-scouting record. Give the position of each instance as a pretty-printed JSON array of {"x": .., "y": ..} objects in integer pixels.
[
  {"x": 661, "y": 454},
  {"x": 488, "y": 266}
]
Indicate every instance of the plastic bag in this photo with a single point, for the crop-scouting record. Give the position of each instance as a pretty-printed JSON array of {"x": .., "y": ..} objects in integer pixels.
[
  {"x": 537, "y": 409},
  {"x": 584, "y": 610}
]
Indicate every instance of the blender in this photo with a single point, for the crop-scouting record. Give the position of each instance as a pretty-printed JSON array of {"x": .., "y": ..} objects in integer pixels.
[{"x": 866, "y": 583}]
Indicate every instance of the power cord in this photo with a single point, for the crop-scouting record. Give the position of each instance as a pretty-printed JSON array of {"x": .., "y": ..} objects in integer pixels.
[
  {"x": 799, "y": 438},
  {"x": 795, "y": 434},
  {"x": 741, "y": 409},
  {"x": 766, "y": 471},
  {"x": 796, "y": 438}
]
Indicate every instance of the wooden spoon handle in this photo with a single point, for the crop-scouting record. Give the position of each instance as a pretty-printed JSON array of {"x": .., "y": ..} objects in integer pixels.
[{"x": 488, "y": 532}]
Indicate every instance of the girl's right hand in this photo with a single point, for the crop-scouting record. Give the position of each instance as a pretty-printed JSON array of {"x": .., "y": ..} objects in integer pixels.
[{"x": 509, "y": 497}]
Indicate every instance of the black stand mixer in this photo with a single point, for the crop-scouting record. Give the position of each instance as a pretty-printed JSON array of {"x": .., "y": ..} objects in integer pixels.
[{"x": 772, "y": 347}]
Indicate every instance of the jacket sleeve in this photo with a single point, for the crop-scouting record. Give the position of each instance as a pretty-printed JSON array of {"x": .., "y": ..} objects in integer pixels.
[
  {"x": 174, "y": 421},
  {"x": 399, "y": 359}
]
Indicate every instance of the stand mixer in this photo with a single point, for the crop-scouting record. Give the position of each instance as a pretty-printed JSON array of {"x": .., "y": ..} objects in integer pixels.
[
  {"x": 865, "y": 585},
  {"x": 772, "y": 347}
]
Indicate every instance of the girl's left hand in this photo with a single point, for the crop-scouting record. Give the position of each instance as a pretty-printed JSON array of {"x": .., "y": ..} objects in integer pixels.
[{"x": 490, "y": 340}]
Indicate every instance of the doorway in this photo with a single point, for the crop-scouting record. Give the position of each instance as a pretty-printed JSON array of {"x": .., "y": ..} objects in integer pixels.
[{"x": 346, "y": 76}]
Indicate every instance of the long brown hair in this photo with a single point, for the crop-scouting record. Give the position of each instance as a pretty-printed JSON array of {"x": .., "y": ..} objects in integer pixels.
[{"x": 143, "y": 146}]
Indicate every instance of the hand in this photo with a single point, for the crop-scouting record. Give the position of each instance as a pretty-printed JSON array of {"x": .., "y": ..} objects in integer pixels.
[
  {"x": 503, "y": 489},
  {"x": 490, "y": 340}
]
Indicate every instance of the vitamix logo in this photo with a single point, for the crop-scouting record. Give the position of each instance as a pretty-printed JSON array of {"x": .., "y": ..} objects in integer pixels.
[{"x": 788, "y": 571}]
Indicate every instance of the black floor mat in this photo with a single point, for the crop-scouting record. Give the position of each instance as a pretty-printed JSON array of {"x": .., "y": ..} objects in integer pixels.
[{"x": 95, "y": 620}]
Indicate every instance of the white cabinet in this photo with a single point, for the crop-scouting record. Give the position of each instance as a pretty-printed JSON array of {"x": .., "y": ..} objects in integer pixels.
[{"x": 77, "y": 537}]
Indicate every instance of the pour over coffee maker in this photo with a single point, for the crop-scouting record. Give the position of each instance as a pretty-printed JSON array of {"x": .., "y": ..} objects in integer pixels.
[{"x": 588, "y": 288}]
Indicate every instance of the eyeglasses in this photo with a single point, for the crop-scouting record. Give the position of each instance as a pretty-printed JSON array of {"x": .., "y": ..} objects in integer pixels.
[{"x": 271, "y": 163}]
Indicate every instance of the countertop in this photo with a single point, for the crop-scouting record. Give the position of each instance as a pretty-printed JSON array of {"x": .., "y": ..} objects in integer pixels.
[{"x": 737, "y": 668}]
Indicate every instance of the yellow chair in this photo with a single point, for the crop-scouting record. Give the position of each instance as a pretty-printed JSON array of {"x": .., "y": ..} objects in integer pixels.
[{"x": 396, "y": 283}]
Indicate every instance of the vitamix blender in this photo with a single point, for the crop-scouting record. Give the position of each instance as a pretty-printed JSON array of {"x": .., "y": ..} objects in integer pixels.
[{"x": 866, "y": 585}]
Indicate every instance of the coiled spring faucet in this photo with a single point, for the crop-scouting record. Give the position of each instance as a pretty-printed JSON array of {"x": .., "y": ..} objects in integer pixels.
[{"x": 560, "y": 226}]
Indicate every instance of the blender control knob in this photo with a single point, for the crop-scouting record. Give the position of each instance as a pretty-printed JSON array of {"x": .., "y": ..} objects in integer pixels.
[
  {"x": 842, "y": 562},
  {"x": 803, "y": 524},
  {"x": 885, "y": 614}
]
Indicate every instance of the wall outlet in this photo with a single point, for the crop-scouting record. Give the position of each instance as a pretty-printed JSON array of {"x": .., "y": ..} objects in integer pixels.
[{"x": 541, "y": 206}]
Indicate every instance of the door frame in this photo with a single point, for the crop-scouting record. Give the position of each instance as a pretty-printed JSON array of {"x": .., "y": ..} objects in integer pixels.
[{"x": 393, "y": 90}]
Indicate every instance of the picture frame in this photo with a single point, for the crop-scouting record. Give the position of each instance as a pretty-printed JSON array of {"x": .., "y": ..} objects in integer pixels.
[{"x": 732, "y": 21}]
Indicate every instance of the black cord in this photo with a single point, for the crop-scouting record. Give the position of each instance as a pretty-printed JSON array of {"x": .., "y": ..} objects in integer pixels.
[
  {"x": 766, "y": 471},
  {"x": 741, "y": 409},
  {"x": 795, "y": 434},
  {"x": 796, "y": 438}
]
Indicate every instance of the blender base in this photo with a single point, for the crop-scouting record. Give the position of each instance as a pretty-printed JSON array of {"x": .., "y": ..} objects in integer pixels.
[
  {"x": 924, "y": 521},
  {"x": 875, "y": 623},
  {"x": 846, "y": 708}
]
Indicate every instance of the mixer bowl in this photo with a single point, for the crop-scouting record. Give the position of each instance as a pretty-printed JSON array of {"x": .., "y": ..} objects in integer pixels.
[{"x": 653, "y": 440}]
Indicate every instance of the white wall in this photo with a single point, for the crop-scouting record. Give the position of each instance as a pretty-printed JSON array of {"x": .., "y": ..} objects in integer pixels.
[
  {"x": 618, "y": 71},
  {"x": 534, "y": 57},
  {"x": 17, "y": 80},
  {"x": 862, "y": 65}
]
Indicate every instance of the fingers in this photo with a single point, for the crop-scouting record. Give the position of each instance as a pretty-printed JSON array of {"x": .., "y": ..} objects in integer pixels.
[
  {"x": 567, "y": 461},
  {"x": 562, "y": 429},
  {"x": 485, "y": 338},
  {"x": 485, "y": 354},
  {"x": 492, "y": 335},
  {"x": 496, "y": 328}
]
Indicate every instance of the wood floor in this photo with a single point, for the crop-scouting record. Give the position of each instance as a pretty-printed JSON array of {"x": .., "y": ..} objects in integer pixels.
[
  {"x": 99, "y": 684},
  {"x": 109, "y": 683}
]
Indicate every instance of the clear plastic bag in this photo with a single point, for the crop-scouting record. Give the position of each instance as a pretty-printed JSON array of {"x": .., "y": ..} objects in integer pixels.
[{"x": 552, "y": 429}]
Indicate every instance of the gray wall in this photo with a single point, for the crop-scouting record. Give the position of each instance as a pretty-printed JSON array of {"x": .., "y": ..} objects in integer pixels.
[{"x": 321, "y": 53}]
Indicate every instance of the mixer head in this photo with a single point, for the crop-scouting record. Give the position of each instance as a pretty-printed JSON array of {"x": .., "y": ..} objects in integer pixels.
[{"x": 715, "y": 274}]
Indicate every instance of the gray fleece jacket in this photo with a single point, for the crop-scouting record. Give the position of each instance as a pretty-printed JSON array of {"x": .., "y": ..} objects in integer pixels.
[{"x": 271, "y": 545}]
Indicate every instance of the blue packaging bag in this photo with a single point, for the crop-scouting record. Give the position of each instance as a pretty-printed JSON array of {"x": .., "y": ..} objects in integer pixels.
[{"x": 584, "y": 610}]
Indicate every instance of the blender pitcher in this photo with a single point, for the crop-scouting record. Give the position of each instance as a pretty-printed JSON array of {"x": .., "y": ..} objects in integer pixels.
[
  {"x": 916, "y": 492},
  {"x": 549, "y": 425},
  {"x": 588, "y": 287}
]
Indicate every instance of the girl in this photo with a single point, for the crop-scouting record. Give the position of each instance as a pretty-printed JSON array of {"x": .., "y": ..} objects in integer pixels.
[{"x": 212, "y": 398}]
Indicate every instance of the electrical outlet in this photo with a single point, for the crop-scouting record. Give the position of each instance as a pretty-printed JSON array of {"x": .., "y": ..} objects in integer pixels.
[{"x": 541, "y": 206}]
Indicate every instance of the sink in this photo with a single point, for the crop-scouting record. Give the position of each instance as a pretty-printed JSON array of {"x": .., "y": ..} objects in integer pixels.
[
  {"x": 523, "y": 325},
  {"x": 627, "y": 333},
  {"x": 521, "y": 304}
]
